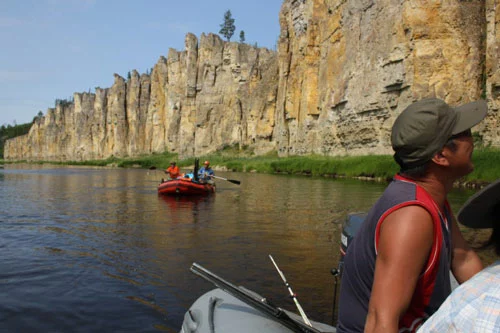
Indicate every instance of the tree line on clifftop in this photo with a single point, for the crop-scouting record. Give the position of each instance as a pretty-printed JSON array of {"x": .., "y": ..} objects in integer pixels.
[
  {"x": 8, "y": 132},
  {"x": 227, "y": 28}
]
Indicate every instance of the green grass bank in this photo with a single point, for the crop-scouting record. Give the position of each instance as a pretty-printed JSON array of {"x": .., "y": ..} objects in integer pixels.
[{"x": 383, "y": 167}]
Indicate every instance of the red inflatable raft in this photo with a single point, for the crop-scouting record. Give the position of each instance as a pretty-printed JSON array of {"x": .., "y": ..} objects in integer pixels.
[{"x": 185, "y": 186}]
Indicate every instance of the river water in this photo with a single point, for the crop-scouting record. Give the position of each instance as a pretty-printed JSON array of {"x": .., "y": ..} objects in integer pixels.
[{"x": 97, "y": 250}]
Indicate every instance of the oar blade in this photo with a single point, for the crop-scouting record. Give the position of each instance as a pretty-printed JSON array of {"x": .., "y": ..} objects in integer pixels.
[{"x": 237, "y": 182}]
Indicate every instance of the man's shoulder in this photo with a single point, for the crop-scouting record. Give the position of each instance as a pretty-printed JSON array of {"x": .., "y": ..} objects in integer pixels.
[
  {"x": 413, "y": 210},
  {"x": 408, "y": 221}
]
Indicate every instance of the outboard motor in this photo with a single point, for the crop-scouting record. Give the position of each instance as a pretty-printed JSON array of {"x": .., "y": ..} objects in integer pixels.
[{"x": 350, "y": 227}]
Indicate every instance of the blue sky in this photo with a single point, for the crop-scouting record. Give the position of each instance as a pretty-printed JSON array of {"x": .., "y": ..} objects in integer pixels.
[{"x": 53, "y": 48}]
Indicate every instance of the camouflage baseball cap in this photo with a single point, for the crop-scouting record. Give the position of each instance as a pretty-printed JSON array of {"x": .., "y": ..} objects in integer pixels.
[{"x": 424, "y": 127}]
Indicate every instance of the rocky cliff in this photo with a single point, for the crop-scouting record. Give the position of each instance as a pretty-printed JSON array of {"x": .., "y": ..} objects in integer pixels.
[
  {"x": 348, "y": 68},
  {"x": 343, "y": 70}
]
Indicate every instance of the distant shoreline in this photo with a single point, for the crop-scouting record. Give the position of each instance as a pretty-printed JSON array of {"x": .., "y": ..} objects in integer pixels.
[{"x": 369, "y": 168}]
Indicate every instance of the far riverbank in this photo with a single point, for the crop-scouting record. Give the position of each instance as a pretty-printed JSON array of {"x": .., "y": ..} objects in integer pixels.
[{"x": 372, "y": 167}]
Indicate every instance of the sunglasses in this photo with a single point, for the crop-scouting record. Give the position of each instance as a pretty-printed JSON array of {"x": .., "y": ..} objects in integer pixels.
[{"x": 466, "y": 133}]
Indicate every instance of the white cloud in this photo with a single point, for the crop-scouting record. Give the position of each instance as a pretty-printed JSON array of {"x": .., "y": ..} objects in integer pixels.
[
  {"x": 8, "y": 22},
  {"x": 154, "y": 25},
  {"x": 178, "y": 27},
  {"x": 74, "y": 4},
  {"x": 75, "y": 47},
  {"x": 174, "y": 27},
  {"x": 18, "y": 76}
]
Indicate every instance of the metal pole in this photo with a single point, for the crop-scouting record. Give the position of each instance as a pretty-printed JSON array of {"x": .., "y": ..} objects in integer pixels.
[
  {"x": 292, "y": 294},
  {"x": 335, "y": 273}
]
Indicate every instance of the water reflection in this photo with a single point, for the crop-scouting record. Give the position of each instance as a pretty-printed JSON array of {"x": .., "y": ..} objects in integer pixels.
[
  {"x": 101, "y": 250},
  {"x": 186, "y": 209}
]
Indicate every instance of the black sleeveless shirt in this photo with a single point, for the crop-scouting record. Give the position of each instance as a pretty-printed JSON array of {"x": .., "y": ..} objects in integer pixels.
[{"x": 433, "y": 285}]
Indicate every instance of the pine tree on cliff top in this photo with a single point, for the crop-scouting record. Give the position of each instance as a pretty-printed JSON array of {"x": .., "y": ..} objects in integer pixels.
[{"x": 227, "y": 28}]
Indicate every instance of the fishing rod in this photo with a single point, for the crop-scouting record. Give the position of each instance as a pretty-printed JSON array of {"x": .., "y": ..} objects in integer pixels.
[
  {"x": 254, "y": 300},
  {"x": 292, "y": 294}
]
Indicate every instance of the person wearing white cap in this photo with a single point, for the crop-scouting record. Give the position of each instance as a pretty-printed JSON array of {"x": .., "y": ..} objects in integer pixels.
[{"x": 475, "y": 305}]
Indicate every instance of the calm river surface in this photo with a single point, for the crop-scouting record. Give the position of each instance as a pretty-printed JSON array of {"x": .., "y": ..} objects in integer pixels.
[{"x": 97, "y": 250}]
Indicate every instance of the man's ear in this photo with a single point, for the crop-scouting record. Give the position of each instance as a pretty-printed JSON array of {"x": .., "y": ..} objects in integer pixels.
[{"x": 440, "y": 158}]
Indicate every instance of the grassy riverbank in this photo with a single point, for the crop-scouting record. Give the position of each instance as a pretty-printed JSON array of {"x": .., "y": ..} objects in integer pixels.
[{"x": 486, "y": 161}]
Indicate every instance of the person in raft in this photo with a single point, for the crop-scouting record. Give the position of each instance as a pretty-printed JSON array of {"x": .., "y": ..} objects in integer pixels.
[
  {"x": 206, "y": 172},
  {"x": 397, "y": 268},
  {"x": 173, "y": 170},
  {"x": 475, "y": 305}
]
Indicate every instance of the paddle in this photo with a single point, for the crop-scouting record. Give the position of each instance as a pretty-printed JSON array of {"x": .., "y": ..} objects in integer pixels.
[
  {"x": 237, "y": 182},
  {"x": 155, "y": 170}
]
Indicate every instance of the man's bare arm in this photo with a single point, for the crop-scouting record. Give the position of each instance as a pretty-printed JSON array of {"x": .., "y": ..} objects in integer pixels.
[
  {"x": 465, "y": 262},
  {"x": 406, "y": 238}
]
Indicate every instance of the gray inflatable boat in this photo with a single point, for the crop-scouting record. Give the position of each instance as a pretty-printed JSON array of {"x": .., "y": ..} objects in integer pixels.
[
  {"x": 235, "y": 309},
  {"x": 232, "y": 309}
]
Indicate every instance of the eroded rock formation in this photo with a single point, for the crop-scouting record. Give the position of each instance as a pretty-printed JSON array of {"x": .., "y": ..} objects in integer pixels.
[
  {"x": 348, "y": 68},
  {"x": 343, "y": 70},
  {"x": 197, "y": 101}
]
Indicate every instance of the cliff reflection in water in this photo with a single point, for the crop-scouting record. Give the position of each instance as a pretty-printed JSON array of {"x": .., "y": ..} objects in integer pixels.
[{"x": 89, "y": 249}]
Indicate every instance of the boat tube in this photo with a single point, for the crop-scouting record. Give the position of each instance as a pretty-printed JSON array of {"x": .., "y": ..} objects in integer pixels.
[
  {"x": 229, "y": 309},
  {"x": 185, "y": 186}
]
